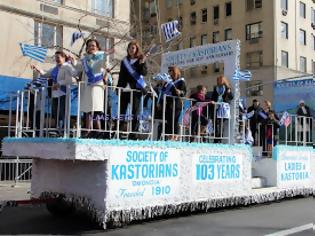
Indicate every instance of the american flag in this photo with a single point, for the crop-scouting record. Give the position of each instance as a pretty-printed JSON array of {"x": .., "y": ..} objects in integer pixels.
[
  {"x": 285, "y": 119},
  {"x": 245, "y": 75},
  {"x": 170, "y": 30},
  {"x": 37, "y": 53}
]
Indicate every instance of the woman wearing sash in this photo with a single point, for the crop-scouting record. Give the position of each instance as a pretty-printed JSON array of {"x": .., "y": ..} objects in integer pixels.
[
  {"x": 133, "y": 68},
  {"x": 94, "y": 77},
  {"x": 222, "y": 93},
  {"x": 59, "y": 77},
  {"x": 174, "y": 89}
]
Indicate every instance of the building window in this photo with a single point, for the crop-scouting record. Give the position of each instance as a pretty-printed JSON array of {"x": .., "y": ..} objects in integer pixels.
[
  {"x": 152, "y": 9},
  {"x": 252, "y": 4},
  {"x": 254, "y": 88},
  {"x": 169, "y": 3},
  {"x": 228, "y": 9},
  {"x": 284, "y": 59},
  {"x": 284, "y": 4},
  {"x": 313, "y": 66},
  {"x": 302, "y": 37},
  {"x": 254, "y": 31},
  {"x": 203, "y": 39},
  {"x": 216, "y": 67},
  {"x": 254, "y": 59},
  {"x": 102, "y": 7},
  {"x": 216, "y": 37},
  {"x": 284, "y": 30},
  {"x": 303, "y": 64},
  {"x": 58, "y": 1},
  {"x": 228, "y": 34},
  {"x": 105, "y": 43},
  {"x": 313, "y": 16},
  {"x": 153, "y": 29},
  {"x": 193, "y": 17},
  {"x": 313, "y": 41},
  {"x": 192, "y": 2},
  {"x": 48, "y": 35},
  {"x": 204, "y": 15},
  {"x": 302, "y": 10},
  {"x": 192, "y": 42},
  {"x": 216, "y": 12}
]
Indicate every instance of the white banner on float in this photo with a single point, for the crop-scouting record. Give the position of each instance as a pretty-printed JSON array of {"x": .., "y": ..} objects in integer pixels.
[
  {"x": 294, "y": 168},
  {"x": 217, "y": 168},
  {"x": 226, "y": 52},
  {"x": 138, "y": 176}
]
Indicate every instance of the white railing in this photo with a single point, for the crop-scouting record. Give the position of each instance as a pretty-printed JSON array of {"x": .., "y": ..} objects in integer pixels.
[
  {"x": 299, "y": 133},
  {"x": 203, "y": 123},
  {"x": 15, "y": 169},
  {"x": 126, "y": 115}
]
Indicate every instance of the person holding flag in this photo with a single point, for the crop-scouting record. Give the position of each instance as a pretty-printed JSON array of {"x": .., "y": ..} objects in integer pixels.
[
  {"x": 59, "y": 77},
  {"x": 133, "y": 68},
  {"x": 94, "y": 77},
  {"x": 173, "y": 89}
]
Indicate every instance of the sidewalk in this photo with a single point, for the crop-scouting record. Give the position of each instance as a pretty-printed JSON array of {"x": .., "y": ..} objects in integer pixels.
[{"x": 9, "y": 191}]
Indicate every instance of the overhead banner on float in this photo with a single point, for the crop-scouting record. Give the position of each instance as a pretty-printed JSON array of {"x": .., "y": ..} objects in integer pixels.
[
  {"x": 226, "y": 52},
  {"x": 287, "y": 94}
]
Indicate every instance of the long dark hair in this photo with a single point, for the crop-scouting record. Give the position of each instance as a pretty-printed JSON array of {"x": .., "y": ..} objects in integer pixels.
[{"x": 138, "y": 52}]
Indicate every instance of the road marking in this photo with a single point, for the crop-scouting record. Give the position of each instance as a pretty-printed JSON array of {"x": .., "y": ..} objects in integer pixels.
[{"x": 293, "y": 230}]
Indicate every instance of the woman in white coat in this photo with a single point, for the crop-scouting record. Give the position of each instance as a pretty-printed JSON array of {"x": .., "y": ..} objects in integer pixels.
[{"x": 94, "y": 78}]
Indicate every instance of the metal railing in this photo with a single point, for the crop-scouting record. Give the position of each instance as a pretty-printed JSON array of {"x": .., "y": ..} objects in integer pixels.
[
  {"x": 15, "y": 169},
  {"x": 125, "y": 114}
]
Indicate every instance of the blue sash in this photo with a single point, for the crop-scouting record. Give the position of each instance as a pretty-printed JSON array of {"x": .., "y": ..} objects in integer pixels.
[
  {"x": 140, "y": 83},
  {"x": 54, "y": 75},
  {"x": 168, "y": 87},
  {"x": 263, "y": 115},
  {"x": 220, "y": 91},
  {"x": 92, "y": 78}
]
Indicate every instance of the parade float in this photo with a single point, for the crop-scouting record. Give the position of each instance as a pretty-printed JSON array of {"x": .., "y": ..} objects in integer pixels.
[{"x": 119, "y": 181}]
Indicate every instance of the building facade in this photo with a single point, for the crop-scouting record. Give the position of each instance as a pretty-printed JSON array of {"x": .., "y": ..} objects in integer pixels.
[
  {"x": 277, "y": 37},
  {"x": 50, "y": 23}
]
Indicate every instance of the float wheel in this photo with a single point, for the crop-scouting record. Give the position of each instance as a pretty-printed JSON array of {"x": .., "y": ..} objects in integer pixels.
[{"x": 59, "y": 207}]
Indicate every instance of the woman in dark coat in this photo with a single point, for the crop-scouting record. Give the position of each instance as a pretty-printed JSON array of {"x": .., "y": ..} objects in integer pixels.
[
  {"x": 222, "y": 93},
  {"x": 133, "y": 68},
  {"x": 175, "y": 89}
]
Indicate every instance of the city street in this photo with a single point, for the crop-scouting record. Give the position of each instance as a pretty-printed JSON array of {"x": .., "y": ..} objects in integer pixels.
[{"x": 255, "y": 220}]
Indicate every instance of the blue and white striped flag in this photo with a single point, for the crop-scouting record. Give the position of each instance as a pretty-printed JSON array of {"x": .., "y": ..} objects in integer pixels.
[
  {"x": 75, "y": 36},
  {"x": 37, "y": 83},
  {"x": 37, "y": 53},
  {"x": 245, "y": 75},
  {"x": 162, "y": 77},
  {"x": 170, "y": 30}
]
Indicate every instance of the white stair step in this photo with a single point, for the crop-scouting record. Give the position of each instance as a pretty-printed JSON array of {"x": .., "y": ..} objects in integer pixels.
[{"x": 258, "y": 182}]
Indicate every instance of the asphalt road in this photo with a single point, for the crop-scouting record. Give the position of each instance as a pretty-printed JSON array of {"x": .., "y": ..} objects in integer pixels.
[{"x": 254, "y": 220}]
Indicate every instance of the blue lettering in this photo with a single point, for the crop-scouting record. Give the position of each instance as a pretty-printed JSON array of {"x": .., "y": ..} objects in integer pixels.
[{"x": 114, "y": 172}]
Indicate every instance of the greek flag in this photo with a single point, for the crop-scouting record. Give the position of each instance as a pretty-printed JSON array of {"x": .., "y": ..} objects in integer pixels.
[
  {"x": 35, "y": 52},
  {"x": 170, "y": 30},
  {"x": 162, "y": 77},
  {"x": 75, "y": 36},
  {"x": 244, "y": 75},
  {"x": 37, "y": 83},
  {"x": 223, "y": 111}
]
